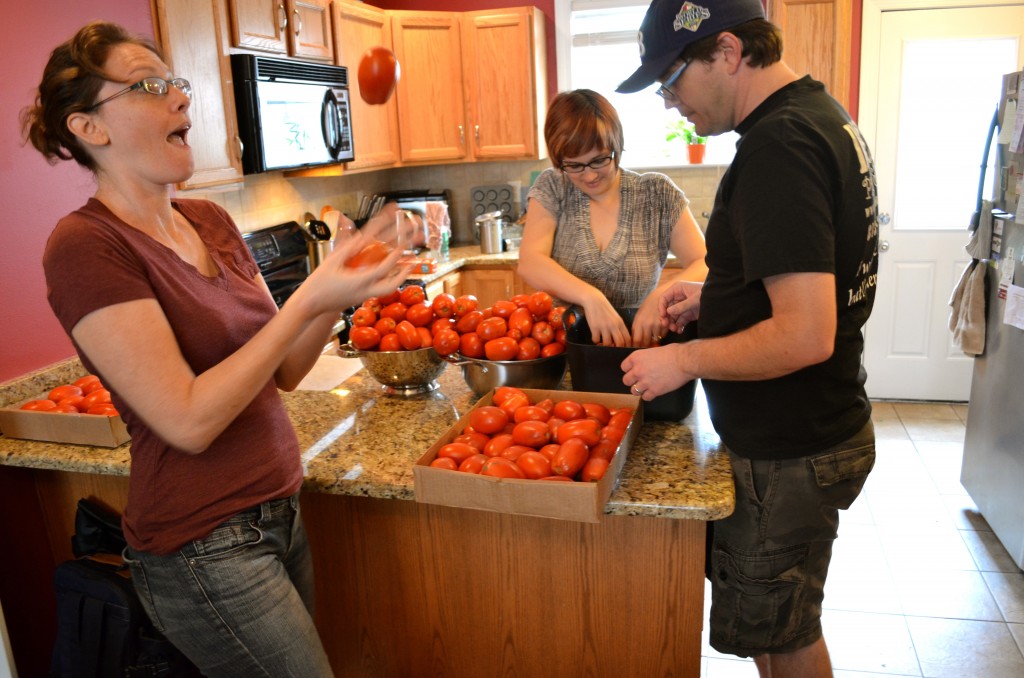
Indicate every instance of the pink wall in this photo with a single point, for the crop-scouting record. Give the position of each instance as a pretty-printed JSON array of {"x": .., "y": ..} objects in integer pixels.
[{"x": 34, "y": 195}]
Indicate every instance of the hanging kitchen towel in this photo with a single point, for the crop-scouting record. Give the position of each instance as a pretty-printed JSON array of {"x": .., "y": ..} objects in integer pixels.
[
  {"x": 967, "y": 318},
  {"x": 980, "y": 245}
]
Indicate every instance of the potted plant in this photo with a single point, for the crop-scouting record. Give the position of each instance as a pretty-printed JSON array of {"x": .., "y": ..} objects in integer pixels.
[{"x": 695, "y": 145}]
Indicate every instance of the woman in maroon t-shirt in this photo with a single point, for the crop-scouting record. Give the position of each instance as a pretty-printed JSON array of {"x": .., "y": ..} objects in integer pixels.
[{"x": 181, "y": 327}]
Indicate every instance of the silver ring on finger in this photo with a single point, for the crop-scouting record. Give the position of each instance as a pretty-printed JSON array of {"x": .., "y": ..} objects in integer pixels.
[{"x": 638, "y": 391}]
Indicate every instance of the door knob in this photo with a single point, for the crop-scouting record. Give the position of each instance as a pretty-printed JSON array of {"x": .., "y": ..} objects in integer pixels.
[{"x": 883, "y": 246}]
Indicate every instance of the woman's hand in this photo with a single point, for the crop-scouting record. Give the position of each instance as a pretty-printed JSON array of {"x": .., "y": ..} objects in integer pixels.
[
  {"x": 680, "y": 304},
  {"x": 606, "y": 326},
  {"x": 333, "y": 286},
  {"x": 648, "y": 326}
]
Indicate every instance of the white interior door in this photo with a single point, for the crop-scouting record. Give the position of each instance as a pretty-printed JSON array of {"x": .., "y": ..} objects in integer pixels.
[{"x": 930, "y": 82}]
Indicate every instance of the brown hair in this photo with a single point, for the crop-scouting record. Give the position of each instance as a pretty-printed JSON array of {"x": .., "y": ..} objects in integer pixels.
[
  {"x": 762, "y": 43},
  {"x": 580, "y": 121},
  {"x": 71, "y": 80}
]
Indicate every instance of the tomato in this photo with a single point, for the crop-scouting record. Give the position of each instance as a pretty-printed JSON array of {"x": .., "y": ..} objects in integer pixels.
[
  {"x": 39, "y": 405},
  {"x": 549, "y": 450},
  {"x": 364, "y": 338},
  {"x": 488, "y": 419},
  {"x": 419, "y": 314},
  {"x": 103, "y": 409},
  {"x": 588, "y": 430},
  {"x": 502, "y": 393},
  {"x": 390, "y": 343},
  {"x": 534, "y": 464},
  {"x": 520, "y": 299},
  {"x": 474, "y": 439},
  {"x": 492, "y": 328},
  {"x": 395, "y": 311},
  {"x": 531, "y": 413},
  {"x": 446, "y": 463},
  {"x": 465, "y": 304},
  {"x": 503, "y": 309},
  {"x": 561, "y": 336},
  {"x": 390, "y": 298},
  {"x": 385, "y": 326},
  {"x": 87, "y": 379},
  {"x": 543, "y": 333},
  {"x": 473, "y": 464},
  {"x": 471, "y": 345},
  {"x": 568, "y": 410},
  {"x": 556, "y": 316},
  {"x": 557, "y": 478},
  {"x": 460, "y": 452},
  {"x": 411, "y": 295},
  {"x": 513, "y": 403},
  {"x": 554, "y": 423},
  {"x": 593, "y": 470},
  {"x": 521, "y": 320},
  {"x": 548, "y": 405},
  {"x": 498, "y": 444},
  {"x": 408, "y": 337},
  {"x": 503, "y": 348},
  {"x": 621, "y": 418},
  {"x": 612, "y": 434},
  {"x": 540, "y": 304},
  {"x": 529, "y": 349},
  {"x": 446, "y": 342},
  {"x": 363, "y": 317},
  {"x": 605, "y": 449},
  {"x": 379, "y": 72},
  {"x": 443, "y": 305},
  {"x": 499, "y": 467},
  {"x": 514, "y": 334},
  {"x": 373, "y": 303},
  {"x": 570, "y": 458},
  {"x": 91, "y": 386},
  {"x": 597, "y": 411},
  {"x": 65, "y": 391},
  {"x": 71, "y": 401},
  {"x": 71, "y": 409},
  {"x": 98, "y": 396},
  {"x": 442, "y": 324},
  {"x": 552, "y": 349},
  {"x": 468, "y": 322},
  {"x": 426, "y": 339},
  {"x": 533, "y": 434},
  {"x": 373, "y": 253},
  {"x": 514, "y": 451}
]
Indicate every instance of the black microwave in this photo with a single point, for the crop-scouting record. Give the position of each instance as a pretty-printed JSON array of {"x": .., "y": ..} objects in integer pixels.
[{"x": 291, "y": 114}]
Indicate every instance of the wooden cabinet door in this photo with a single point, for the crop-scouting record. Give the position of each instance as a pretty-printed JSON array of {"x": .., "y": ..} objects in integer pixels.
[
  {"x": 431, "y": 115},
  {"x": 375, "y": 128},
  {"x": 817, "y": 40},
  {"x": 260, "y": 24},
  {"x": 192, "y": 36},
  {"x": 309, "y": 30},
  {"x": 453, "y": 284},
  {"x": 489, "y": 284},
  {"x": 504, "y": 66}
]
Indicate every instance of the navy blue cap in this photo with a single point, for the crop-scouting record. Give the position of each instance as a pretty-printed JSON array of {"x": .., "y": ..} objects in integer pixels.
[{"x": 671, "y": 25}]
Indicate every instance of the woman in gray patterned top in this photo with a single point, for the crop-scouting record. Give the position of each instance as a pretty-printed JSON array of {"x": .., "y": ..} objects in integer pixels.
[{"x": 598, "y": 235}]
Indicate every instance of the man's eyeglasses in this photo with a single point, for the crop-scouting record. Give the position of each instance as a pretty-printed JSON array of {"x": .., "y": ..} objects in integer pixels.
[
  {"x": 595, "y": 164},
  {"x": 151, "y": 85},
  {"x": 664, "y": 92}
]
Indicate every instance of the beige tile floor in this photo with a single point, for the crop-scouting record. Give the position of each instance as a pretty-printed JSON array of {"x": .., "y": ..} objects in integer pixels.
[{"x": 919, "y": 584}]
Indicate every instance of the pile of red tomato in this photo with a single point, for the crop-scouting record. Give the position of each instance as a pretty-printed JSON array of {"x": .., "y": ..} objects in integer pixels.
[
  {"x": 85, "y": 396},
  {"x": 514, "y": 438},
  {"x": 525, "y": 327}
]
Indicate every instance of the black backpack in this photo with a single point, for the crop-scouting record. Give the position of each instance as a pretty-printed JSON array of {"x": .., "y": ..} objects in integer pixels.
[{"x": 102, "y": 630}]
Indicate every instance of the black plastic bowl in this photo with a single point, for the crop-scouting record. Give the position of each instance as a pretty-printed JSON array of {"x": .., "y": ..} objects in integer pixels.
[{"x": 596, "y": 368}]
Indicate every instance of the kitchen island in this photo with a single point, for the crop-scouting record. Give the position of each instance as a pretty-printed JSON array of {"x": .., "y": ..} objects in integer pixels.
[{"x": 410, "y": 589}]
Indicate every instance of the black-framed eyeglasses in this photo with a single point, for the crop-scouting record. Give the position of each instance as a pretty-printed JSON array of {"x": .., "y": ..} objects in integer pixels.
[
  {"x": 151, "y": 85},
  {"x": 664, "y": 92},
  {"x": 595, "y": 164}
]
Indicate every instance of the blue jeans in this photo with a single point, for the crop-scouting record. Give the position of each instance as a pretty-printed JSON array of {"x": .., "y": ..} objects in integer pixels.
[{"x": 240, "y": 601}]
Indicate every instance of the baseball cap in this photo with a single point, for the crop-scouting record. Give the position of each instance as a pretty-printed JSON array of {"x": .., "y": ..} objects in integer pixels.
[{"x": 671, "y": 25}]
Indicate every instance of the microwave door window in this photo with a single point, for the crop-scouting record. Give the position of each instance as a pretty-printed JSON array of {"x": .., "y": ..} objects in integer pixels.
[
  {"x": 330, "y": 125},
  {"x": 292, "y": 134}
]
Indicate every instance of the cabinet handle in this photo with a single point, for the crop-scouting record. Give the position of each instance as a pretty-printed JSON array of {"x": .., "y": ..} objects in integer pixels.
[
  {"x": 241, "y": 146},
  {"x": 298, "y": 21},
  {"x": 462, "y": 136},
  {"x": 282, "y": 17},
  {"x": 476, "y": 133}
]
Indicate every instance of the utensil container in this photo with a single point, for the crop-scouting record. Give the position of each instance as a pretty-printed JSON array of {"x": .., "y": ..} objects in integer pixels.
[{"x": 490, "y": 228}]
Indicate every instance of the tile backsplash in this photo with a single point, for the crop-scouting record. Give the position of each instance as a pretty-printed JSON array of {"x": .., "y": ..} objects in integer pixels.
[{"x": 270, "y": 199}]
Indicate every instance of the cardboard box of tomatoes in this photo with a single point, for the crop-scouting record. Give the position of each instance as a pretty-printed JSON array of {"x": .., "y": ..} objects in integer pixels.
[
  {"x": 579, "y": 501},
  {"x": 61, "y": 427}
]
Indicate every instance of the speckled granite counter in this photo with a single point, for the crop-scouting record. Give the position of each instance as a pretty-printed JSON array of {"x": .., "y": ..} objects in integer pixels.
[{"x": 358, "y": 441}]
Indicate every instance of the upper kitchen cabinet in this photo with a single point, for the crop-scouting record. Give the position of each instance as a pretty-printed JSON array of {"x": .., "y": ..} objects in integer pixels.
[
  {"x": 505, "y": 81},
  {"x": 357, "y": 27},
  {"x": 817, "y": 40},
  {"x": 297, "y": 28},
  {"x": 431, "y": 108},
  {"x": 191, "y": 35}
]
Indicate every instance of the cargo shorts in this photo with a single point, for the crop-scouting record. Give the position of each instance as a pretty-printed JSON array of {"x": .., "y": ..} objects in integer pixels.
[{"x": 769, "y": 559}]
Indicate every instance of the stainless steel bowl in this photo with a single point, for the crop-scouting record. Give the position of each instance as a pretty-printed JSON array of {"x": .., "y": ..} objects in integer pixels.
[
  {"x": 400, "y": 372},
  {"x": 483, "y": 375}
]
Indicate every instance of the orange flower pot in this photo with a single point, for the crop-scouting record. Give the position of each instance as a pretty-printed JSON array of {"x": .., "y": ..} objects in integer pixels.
[{"x": 696, "y": 153}]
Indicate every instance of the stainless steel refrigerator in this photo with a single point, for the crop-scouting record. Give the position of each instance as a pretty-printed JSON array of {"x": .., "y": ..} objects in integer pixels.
[{"x": 993, "y": 462}]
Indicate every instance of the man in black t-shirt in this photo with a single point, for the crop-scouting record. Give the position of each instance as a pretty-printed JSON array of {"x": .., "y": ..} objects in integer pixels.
[{"x": 792, "y": 255}]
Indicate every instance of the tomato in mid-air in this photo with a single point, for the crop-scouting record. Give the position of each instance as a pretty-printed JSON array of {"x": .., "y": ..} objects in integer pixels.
[
  {"x": 379, "y": 72},
  {"x": 364, "y": 338},
  {"x": 502, "y": 348},
  {"x": 42, "y": 405},
  {"x": 363, "y": 317},
  {"x": 488, "y": 419},
  {"x": 412, "y": 294},
  {"x": 443, "y": 305},
  {"x": 373, "y": 253}
]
